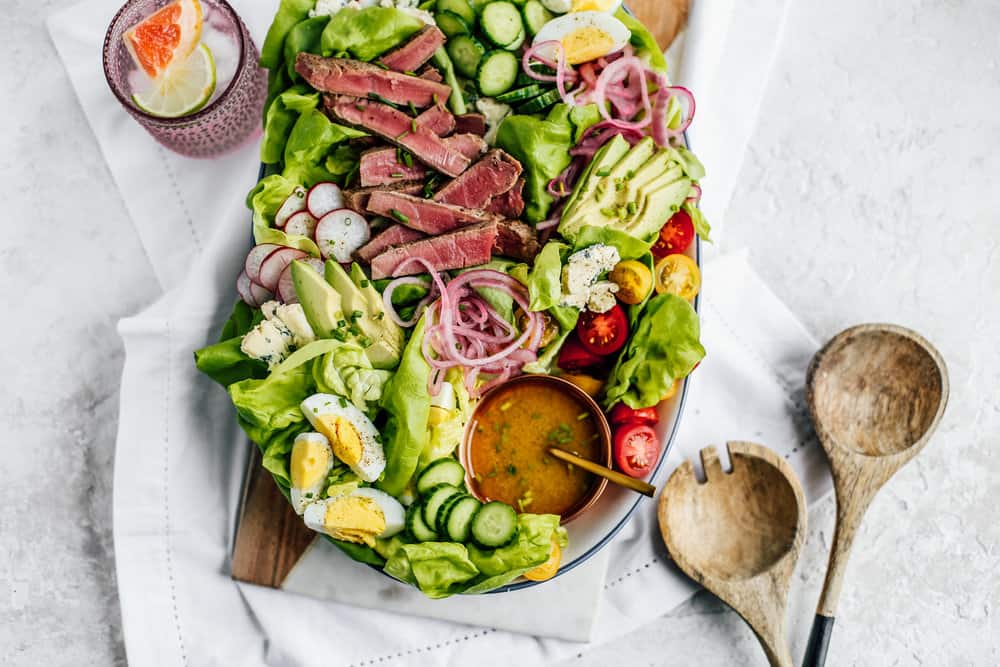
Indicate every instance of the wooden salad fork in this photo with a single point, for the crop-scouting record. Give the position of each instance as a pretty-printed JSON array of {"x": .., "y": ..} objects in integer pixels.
[{"x": 739, "y": 534}]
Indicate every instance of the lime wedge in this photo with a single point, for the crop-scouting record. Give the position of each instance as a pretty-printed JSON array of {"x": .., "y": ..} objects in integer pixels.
[{"x": 183, "y": 89}]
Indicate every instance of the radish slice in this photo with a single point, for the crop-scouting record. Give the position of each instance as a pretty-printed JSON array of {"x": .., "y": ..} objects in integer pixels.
[
  {"x": 323, "y": 198},
  {"x": 261, "y": 295},
  {"x": 243, "y": 289},
  {"x": 286, "y": 287},
  {"x": 341, "y": 232},
  {"x": 302, "y": 223},
  {"x": 270, "y": 270},
  {"x": 255, "y": 258},
  {"x": 293, "y": 204}
]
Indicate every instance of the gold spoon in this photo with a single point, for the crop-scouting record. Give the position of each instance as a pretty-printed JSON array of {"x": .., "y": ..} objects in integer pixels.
[
  {"x": 739, "y": 535},
  {"x": 876, "y": 393},
  {"x": 612, "y": 476}
]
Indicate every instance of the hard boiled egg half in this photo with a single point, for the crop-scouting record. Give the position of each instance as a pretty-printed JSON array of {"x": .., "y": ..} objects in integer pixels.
[
  {"x": 312, "y": 459},
  {"x": 359, "y": 516},
  {"x": 584, "y": 36},
  {"x": 607, "y": 6},
  {"x": 352, "y": 436}
]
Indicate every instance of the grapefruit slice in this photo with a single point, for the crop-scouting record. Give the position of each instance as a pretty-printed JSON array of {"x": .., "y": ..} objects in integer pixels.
[{"x": 168, "y": 35}]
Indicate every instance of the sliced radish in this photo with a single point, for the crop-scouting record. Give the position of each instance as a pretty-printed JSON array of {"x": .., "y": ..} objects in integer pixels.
[
  {"x": 260, "y": 294},
  {"x": 256, "y": 257},
  {"x": 341, "y": 232},
  {"x": 243, "y": 289},
  {"x": 323, "y": 198},
  {"x": 302, "y": 223},
  {"x": 270, "y": 270},
  {"x": 293, "y": 204},
  {"x": 286, "y": 286}
]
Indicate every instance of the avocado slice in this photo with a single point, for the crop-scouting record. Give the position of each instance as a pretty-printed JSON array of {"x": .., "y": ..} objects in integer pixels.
[
  {"x": 654, "y": 169},
  {"x": 604, "y": 160},
  {"x": 320, "y": 302},
  {"x": 692, "y": 166},
  {"x": 365, "y": 311},
  {"x": 659, "y": 203}
]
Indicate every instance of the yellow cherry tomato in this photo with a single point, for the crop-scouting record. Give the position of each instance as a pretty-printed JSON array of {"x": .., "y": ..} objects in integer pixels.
[
  {"x": 672, "y": 391},
  {"x": 633, "y": 279},
  {"x": 548, "y": 569},
  {"x": 678, "y": 275},
  {"x": 590, "y": 385}
]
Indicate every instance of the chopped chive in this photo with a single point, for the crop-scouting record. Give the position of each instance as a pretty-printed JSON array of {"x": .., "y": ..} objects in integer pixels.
[
  {"x": 413, "y": 108},
  {"x": 608, "y": 212},
  {"x": 399, "y": 215},
  {"x": 382, "y": 65},
  {"x": 631, "y": 208},
  {"x": 380, "y": 316},
  {"x": 356, "y": 314},
  {"x": 365, "y": 283},
  {"x": 396, "y": 174},
  {"x": 436, "y": 99},
  {"x": 360, "y": 107},
  {"x": 512, "y": 469},
  {"x": 603, "y": 172},
  {"x": 630, "y": 175},
  {"x": 583, "y": 415},
  {"x": 402, "y": 136},
  {"x": 341, "y": 324},
  {"x": 407, "y": 159},
  {"x": 413, "y": 125},
  {"x": 506, "y": 405}
]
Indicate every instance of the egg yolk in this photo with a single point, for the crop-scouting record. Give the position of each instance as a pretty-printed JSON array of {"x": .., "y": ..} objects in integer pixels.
[
  {"x": 343, "y": 438},
  {"x": 585, "y": 44},
  {"x": 310, "y": 461},
  {"x": 354, "y": 519},
  {"x": 593, "y": 5}
]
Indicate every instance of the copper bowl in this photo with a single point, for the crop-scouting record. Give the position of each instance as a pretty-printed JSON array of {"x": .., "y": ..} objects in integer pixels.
[{"x": 554, "y": 384}]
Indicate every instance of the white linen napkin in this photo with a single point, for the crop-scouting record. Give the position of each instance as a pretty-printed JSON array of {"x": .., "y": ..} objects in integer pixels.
[{"x": 180, "y": 457}]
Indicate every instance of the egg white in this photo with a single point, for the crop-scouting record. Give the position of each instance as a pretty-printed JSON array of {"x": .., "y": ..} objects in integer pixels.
[
  {"x": 558, "y": 29},
  {"x": 372, "y": 462},
  {"x": 302, "y": 496},
  {"x": 392, "y": 510}
]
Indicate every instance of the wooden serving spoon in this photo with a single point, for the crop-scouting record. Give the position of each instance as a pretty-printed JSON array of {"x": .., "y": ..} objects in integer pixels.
[
  {"x": 876, "y": 393},
  {"x": 739, "y": 535}
]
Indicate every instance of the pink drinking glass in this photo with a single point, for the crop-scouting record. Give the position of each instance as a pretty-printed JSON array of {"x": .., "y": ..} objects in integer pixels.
[{"x": 230, "y": 117}]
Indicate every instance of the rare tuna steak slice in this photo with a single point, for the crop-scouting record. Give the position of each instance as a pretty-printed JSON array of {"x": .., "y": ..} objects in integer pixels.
[
  {"x": 392, "y": 235},
  {"x": 431, "y": 74},
  {"x": 460, "y": 249},
  {"x": 427, "y": 216},
  {"x": 473, "y": 123},
  {"x": 415, "y": 52},
  {"x": 511, "y": 203},
  {"x": 358, "y": 79},
  {"x": 516, "y": 240},
  {"x": 357, "y": 199},
  {"x": 494, "y": 175},
  {"x": 386, "y": 165},
  {"x": 438, "y": 119},
  {"x": 397, "y": 128}
]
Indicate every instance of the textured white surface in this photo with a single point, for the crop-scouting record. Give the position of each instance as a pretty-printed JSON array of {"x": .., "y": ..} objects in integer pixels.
[{"x": 870, "y": 193}]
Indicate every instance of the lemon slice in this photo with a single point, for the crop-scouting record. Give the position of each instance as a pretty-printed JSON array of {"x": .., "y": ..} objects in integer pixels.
[{"x": 183, "y": 89}]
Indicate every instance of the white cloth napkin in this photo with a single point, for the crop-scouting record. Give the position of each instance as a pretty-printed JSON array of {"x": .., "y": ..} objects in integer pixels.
[{"x": 180, "y": 456}]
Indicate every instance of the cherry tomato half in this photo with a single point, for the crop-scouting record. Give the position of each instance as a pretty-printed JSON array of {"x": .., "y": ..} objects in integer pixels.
[
  {"x": 603, "y": 333},
  {"x": 675, "y": 236},
  {"x": 678, "y": 275},
  {"x": 575, "y": 357},
  {"x": 623, "y": 414},
  {"x": 636, "y": 449},
  {"x": 591, "y": 386},
  {"x": 633, "y": 279}
]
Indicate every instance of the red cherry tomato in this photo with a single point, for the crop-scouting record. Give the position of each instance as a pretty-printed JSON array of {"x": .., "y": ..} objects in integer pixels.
[
  {"x": 575, "y": 357},
  {"x": 636, "y": 449},
  {"x": 675, "y": 236},
  {"x": 603, "y": 333},
  {"x": 623, "y": 414}
]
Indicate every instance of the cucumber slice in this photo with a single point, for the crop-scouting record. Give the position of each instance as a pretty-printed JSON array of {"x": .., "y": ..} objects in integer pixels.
[
  {"x": 501, "y": 23},
  {"x": 535, "y": 16},
  {"x": 540, "y": 103},
  {"x": 452, "y": 24},
  {"x": 478, "y": 5},
  {"x": 460, "y": 7},
  {"x": 494, "y": 525},
  {"x": 522, "y": 94},
  {"x": 435, "y": 500},
  {"x": 517, "y": 43},
  {"x": 416, "y": 526},
  {"x": 497, "y": 72},
  {"x": 441, "y": 471},
  {"x": 442, "y": 515},
  {"x": 458, "y": 520},
  {"x": 466, "y": 53}
]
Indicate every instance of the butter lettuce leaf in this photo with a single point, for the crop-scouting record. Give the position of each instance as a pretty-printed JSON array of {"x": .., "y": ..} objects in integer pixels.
[
  {"x": 367, "y": 33},
  {"x": 224, "y": 361},
  {"x": 290, "y": 12},
  {"x": 346, "y": 371},
  {"x": 664, "y": 347},
  {"x": 304, "y": 37},
  {"x": 264, "y": 200},
  {"x": 545, "y": 277},
  {"x": 530, "y": 549},
  {"x": 628, "y": 246},
  {"x": 280, "y": 118}
]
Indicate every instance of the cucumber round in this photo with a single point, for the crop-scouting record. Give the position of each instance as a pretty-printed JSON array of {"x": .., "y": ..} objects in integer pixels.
[
  {"x": 540, "y": 103},
  {"x": 497, "y": 72},
  {"x": 458, "y": 519},
  {"x": 501, "y": 23},
  {"x": 535, "y": 16},
  {"x": 522, "y": 94},
  {"x": 494, "y": 525},
  {"x": 466, "y": 53},
  {"x": 460, "y": 7},
  {"x": 442, "y": 515},
  {"x": 441, "y": 471},
  {"x": 435, "y": 500},
  {"x": 452, "y": 24},
  {"x": 416, "y": 526}
]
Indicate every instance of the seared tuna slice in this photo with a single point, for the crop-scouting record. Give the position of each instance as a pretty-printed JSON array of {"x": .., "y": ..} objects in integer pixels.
[
  {"x": 416, "y": 51},
  {"x": 431, "y": 74},
  {"x": 516, "y": 240},
  {"x": 511, "y": 203},
  {"x": 384, "y": 166},
  {"x": 359, "y": 79},
  {"x": 473, "y": 123},
  {"x": 494, "y": 175},
  {"x": 427, "y": 216},
  {"x": 357, "y": 199},
  {"x": 396, "y": 127},
  {"x": 392, "y": 235},
  {"x": 460, "y": 249},
  {"x": 438, "y": 119}
]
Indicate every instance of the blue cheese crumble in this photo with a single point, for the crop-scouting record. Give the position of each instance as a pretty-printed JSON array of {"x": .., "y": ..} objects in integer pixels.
[
  {"x": 283, "y": 328},
  {"x": 581, "y": 284}
]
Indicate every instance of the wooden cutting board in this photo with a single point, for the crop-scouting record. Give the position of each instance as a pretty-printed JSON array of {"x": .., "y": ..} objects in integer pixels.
[{"x": 270, "y": 537}]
